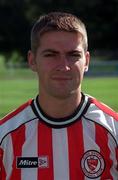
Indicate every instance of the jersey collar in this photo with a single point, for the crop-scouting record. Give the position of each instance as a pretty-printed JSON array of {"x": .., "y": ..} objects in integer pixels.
[{"x": 61, "y": 122}]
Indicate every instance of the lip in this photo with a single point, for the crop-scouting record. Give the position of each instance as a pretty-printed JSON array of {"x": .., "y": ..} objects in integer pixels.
[{"x": 62, "y": 78}]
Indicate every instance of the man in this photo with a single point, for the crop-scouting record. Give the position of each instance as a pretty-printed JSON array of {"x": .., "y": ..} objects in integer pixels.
[{"x": 63, "y": 134}]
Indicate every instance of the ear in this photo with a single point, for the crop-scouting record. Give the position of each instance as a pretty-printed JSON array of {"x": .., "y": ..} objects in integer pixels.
[
  {"x": 32, "y": 61},
  {"x": 87, "y": 56}
]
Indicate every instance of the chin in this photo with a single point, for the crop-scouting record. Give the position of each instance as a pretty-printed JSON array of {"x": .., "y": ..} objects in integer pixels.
[{"x": 64, "y": 95}]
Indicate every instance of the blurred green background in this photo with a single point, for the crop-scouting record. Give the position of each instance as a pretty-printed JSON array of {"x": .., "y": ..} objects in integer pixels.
[{"x": 18, "y": 83}]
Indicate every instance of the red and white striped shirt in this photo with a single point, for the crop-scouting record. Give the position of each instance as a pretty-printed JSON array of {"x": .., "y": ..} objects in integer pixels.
[{"x": 82, "y": 146}]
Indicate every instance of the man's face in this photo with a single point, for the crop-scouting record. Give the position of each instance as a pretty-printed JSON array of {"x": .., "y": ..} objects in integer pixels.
[{"x": 60, "y": 63}]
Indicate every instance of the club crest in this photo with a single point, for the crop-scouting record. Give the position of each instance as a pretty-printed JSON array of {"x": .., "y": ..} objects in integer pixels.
[{"x": 92, "y": 164}]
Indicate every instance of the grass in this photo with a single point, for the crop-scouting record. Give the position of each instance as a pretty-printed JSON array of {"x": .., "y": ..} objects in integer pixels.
[
  {"x": 14, "y": 92},
  {"x": 17, "y": 86},
  {"x": 104, "y": 89}
]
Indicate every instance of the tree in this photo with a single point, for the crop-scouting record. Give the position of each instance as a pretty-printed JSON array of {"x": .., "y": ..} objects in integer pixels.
[{"x": 18, "y": 16}]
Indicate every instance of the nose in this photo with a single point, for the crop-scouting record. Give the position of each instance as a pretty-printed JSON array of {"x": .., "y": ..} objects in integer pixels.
[{"x": 64, "y": 64}]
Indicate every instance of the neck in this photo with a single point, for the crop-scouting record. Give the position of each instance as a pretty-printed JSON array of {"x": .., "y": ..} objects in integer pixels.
[{"x": 59, "y": 108}]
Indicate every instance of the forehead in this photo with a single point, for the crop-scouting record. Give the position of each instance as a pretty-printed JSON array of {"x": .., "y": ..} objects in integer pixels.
[{"x": 61, "y": 39}]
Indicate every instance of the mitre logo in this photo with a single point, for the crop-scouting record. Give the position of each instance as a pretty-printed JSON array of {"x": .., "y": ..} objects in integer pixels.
[
  {"x": 92, "y": 164},
  {"x": 32, "y": 162}
]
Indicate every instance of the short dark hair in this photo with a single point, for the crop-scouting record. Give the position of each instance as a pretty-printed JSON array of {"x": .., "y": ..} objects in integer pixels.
[{"x": 57, "y": 21}]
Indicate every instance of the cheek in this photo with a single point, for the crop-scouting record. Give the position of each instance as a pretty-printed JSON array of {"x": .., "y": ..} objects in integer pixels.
[
  {"x": 47, "y": 65},
  {"x": 42, "y": 67},
  {"x": 43, "y": 72},
  {"x": 79, "y": 71},
  {"x": 79, "y": 67}
]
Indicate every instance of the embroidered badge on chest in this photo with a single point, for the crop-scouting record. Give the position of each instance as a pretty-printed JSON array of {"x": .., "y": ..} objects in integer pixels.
[
  {"x": 32, "y": 162},
  {"x": 92, "y": 164}
]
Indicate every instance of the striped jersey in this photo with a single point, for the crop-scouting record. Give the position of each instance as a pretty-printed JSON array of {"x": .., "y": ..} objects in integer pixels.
[{"x": 83, "y": 146}]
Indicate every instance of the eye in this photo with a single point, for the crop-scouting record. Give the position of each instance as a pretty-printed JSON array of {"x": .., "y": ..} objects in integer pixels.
[
  {"x": 74, "y": 56},
  {"x": 49, "y": 55}
]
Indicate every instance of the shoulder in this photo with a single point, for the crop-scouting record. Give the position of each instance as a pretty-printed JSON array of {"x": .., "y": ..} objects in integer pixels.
[
  {"x": 15, "y": 113},
  {"x": 16, "y": 118},
  {"x": 102, "y": 115},
  {"x": 102, "y": 108}
]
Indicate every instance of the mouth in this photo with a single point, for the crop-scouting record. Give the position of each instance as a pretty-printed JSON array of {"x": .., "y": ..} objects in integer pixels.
[{"x": 62, "y": 78}]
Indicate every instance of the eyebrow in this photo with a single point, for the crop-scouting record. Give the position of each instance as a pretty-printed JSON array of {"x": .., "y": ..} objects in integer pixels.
[
  {"x": 49, "y": 51},
  {"x": 75, "y": 51},
  {"x": 57, "y": 52}
]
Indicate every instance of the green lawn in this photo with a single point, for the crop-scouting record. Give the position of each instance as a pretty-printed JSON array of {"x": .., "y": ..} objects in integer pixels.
[
  {"x": 104, "y": 89},
  {"x": 14, "y": 92},
  {"x": 17, "y": 86}
]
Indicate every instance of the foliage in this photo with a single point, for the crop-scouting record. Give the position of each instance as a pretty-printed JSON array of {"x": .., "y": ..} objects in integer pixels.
[
  {"x": 17, "y": 17},
  {"x": 15, "y": 60}
]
